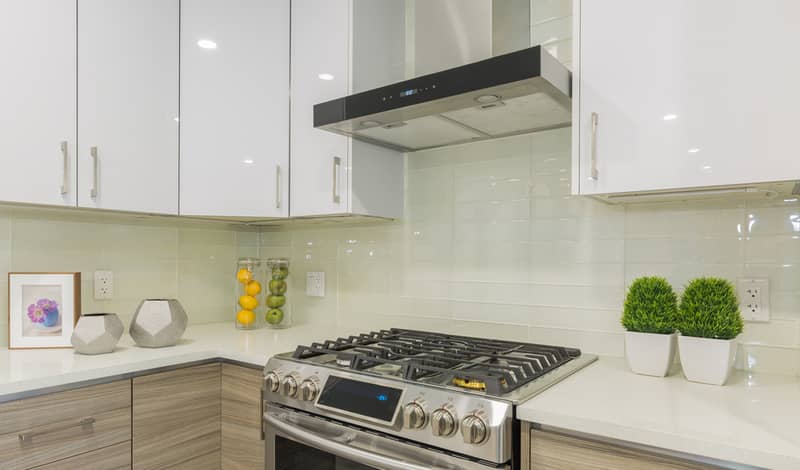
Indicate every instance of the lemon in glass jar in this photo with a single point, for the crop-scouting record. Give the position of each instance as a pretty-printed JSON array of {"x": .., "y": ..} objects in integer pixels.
[
  {"x": 253, "y": 288},
  {"x": 248, "y": 302},
  {"x": 245, "y": 317}
]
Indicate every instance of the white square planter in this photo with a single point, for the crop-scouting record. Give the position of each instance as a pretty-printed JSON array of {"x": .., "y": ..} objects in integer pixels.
[
  {"x": 650, "y": 353},
  {"x": 707, "y": 360}
]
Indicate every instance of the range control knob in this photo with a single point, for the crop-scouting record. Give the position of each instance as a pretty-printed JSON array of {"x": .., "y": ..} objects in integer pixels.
[
  {"x": 309, "y": 389},
  {"x": 414, "y": 416},
  {"x": 443, "y": 422},
  {"x": 289, "y": 386},
  {"x": 272, "y": 381},
  {"x": 474, "y": 429}
]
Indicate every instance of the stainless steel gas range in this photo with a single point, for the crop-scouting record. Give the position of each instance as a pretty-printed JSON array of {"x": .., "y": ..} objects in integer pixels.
[{"x": 405, "y": 400}]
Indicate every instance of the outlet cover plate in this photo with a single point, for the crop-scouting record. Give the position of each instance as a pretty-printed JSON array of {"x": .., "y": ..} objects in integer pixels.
[
  {"x": 754, "y": 299},
  {"x": 315, "y": 284},
  {"x": 103, "y": 285}
]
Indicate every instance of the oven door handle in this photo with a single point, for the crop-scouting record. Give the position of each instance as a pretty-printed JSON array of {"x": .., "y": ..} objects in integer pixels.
[{"x": 341, "y": 447}]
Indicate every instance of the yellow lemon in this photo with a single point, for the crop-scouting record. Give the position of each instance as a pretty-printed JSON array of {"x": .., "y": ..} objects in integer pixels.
[
  {"x": 248, "y": 302},
  {"x": 253, "y": 288},
  {"x": 244, "y": 275},
  {"x": 245, "y": 317}
]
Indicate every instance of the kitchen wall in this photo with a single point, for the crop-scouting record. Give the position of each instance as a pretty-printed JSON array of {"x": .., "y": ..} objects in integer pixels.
[
  {"x": 150, "y": 257},
  {"x": 492, "y": 244}
]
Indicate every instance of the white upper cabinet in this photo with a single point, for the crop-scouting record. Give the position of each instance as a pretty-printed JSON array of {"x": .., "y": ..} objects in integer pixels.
[
  {"x": 128, "y": 105},
  {"x": 335, "y": 46},
  {"x": 235, "y": 108},
  {"x": 320, "y": 57},
  {"x": 38, "y": 102},
  {"x": 684, "y": 94}
]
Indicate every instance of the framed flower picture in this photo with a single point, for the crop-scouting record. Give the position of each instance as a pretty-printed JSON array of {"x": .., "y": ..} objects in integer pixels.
[{"x": 42, "y": 309}]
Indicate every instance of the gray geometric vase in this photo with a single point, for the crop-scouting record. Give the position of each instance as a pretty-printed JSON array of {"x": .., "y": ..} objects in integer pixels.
[
  {"x": 97, "y": 333},
  {"x": 158, "y": 323}
]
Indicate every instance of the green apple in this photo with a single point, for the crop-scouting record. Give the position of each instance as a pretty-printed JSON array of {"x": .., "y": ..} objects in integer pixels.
[
  {"x": 274, "y": 316},
  {"x": 275, "y": 301},
  {"x": 277, "y": 286},
  {"x": 279, "y": 272}
]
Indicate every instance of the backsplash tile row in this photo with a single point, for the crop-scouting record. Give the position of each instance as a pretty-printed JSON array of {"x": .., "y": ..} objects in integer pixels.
[
  {"x": 492, "y": 243},
  {"x": 150, "y": 257}
]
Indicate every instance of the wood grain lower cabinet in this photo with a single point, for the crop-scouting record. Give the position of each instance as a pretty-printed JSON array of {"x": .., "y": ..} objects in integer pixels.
[
  {"x": 555, "y": 451},
  {"x": 66, "y": 427},
  {"x": 242, "y": 447},
  {"x": 116, "y": 457},
  {"x": 176, "y": 419}
]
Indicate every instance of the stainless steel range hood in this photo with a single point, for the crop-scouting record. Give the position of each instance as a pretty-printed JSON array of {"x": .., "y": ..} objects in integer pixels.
[{"x": 515, "y": 93}]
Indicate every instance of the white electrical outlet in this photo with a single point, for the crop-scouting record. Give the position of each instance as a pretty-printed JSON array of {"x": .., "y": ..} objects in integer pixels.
[
  {"x": 315, "y": 284},
  {"x": 754, "y": 299},
  {"x": 103, "y": 285}
]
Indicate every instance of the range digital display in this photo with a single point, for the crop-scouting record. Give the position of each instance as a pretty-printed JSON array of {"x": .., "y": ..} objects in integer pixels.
[{"x": 370, "y": 400}]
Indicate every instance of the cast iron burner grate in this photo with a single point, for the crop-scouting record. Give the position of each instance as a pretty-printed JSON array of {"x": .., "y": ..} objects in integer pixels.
[{"x": 498, "y": 367}]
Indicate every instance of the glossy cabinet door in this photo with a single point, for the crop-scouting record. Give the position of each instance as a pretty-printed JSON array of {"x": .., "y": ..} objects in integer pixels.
[
  {"x": 335, "y": 51},
  {"x": 235, "y": 108},
  {"x": 128, "y": 105},
  {"x": 320, "y": 57},
  {"x": 685, "y": 94},
  {"x": 38, "y": 102}
]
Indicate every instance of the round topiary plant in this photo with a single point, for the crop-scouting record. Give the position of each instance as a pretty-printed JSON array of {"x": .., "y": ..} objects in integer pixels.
[
  {"x": 709, "y": 309},
  {"x": 650, "y": 307}
]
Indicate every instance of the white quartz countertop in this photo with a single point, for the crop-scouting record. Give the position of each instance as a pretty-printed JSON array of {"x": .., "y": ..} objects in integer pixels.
[
  {"x": 25, "y": 371},
  {"x": 754, "y": 420}
]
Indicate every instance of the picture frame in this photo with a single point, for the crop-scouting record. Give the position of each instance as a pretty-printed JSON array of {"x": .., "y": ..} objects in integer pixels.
[{"x": 43, "y": 309}]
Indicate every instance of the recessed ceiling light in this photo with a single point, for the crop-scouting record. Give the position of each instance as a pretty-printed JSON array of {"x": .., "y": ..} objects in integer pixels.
[
  {"x": 670, "y": 117},
  {"x": 207, "y": 44},
  {"x": 707, "y": 167},
  {"x": 483, "y": 99},
  {"x": 248, "y": 161},
  {"x": 693, "y": 150},
  {"x": 325, "y": 76}
]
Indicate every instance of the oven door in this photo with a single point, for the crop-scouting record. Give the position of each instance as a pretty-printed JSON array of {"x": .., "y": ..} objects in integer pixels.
[{"x": 299, "y": 441}]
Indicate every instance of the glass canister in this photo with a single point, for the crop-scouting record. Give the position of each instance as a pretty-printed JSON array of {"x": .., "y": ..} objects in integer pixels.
[
  {"x": 278, "y": 305},
  {"x": 252, "y": 279}
]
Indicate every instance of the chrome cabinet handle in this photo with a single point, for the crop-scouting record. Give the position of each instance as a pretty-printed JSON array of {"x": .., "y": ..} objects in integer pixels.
[
  {"x": 337, "y": 165},
  {"x": 595, "y": 174},
  {"x": 65, "y": 169},
  {"x": 93, "y": 154},
  {"x": 340, "y": 446},
  {"x": 26, "y": 437},
  {"x": 277, "y": 186}
]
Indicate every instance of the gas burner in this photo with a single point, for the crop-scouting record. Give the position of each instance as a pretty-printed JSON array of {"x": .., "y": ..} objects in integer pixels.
[{"x": 492, "y": 366}]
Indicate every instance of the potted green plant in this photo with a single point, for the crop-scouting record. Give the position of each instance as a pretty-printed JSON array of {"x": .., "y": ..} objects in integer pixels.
[
  {"x": 649, "y": 318},
  {"x": 709, "y": 321}
]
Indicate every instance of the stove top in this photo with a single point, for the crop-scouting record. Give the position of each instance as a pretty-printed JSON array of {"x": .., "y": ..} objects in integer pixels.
[{"x": 493, "y": 368}]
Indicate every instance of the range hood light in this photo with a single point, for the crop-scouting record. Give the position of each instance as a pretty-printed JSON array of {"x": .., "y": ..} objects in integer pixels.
[
  {"x": 484, "y": 99},
  {"x": 394, "y": 125},
  {"x": 368, "y": 124}
]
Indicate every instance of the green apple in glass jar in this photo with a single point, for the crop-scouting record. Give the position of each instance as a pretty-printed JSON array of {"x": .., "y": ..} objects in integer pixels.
[
  {"x": 277, "y": 287},
  {"x": 274, "y": 316}
]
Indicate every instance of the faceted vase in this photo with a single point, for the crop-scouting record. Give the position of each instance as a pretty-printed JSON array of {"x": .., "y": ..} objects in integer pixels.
[
  {"x": 158, "y": 323},
  {"x": 97, "y": 333}
]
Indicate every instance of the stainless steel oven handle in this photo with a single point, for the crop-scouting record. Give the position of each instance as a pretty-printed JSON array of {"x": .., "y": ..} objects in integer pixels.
[{"x": 342, "y": 449}]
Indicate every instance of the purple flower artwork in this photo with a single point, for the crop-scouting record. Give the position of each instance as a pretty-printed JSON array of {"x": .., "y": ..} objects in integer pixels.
[{"x": 44, "y": 312}]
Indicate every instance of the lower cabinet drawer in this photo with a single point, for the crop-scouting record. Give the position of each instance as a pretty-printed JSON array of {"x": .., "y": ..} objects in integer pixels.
[
  {"x": 554, "y": 451},
  {"x": 116, "y": 457},
  {"x": 49, "y": 428}
]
